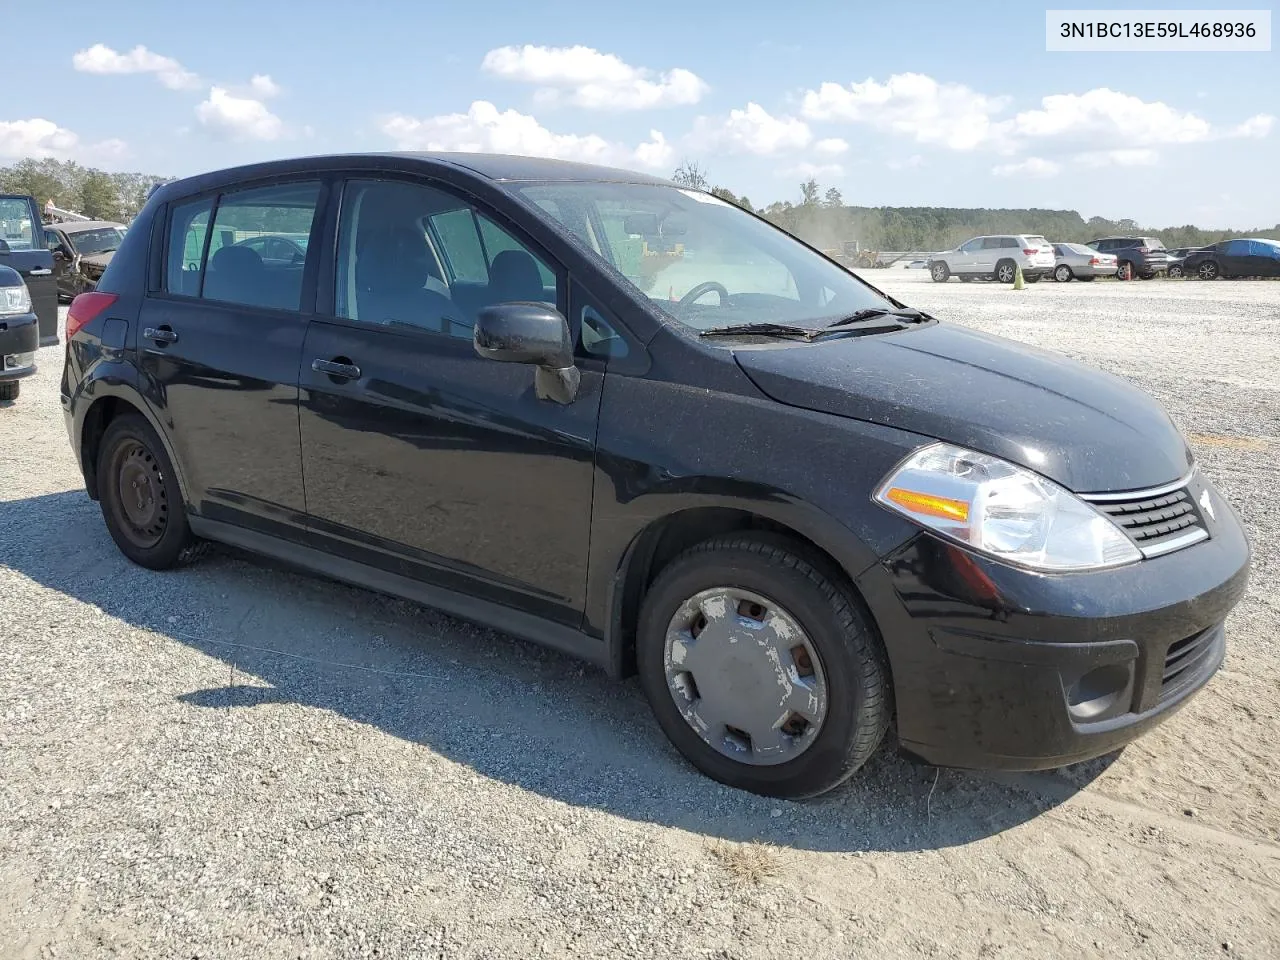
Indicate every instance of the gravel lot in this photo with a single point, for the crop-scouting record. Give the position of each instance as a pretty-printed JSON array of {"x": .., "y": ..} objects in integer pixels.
[{"x": 238, "y": 761}]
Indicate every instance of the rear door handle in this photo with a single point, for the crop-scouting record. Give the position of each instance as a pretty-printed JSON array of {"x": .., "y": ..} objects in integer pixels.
[
  {"x": 335, "y": 368},
  {"x": 160, "y": 335},
  {"x": 40, "y": 272}
]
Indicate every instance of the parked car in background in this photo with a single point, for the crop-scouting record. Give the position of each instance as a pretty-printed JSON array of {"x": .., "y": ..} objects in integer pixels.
[
  {"x": 22, "y": 248},
  {"x": 951, "y": 532},
  {"x": 995, "y": 258},
  {"x": 276, "y": 249},
  {"x": 1143, "y": 257},
  {"x": 1075, "y": 261},
  {"x": 81, "y": 252},
  {"x": 1234, "y": 258},
  {"x": 19, "y": 333}
]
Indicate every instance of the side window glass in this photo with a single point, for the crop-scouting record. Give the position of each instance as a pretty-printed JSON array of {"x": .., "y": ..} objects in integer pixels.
[
  {"x": 1008, "y": 242},
  {"x": 236, "y": 271},
  {"x": 188, "y": 228},
  {"x": 51, "y": 240},
  {"x": 599, "y": 337},
  {"x": 991, "y": 243},
  {"x": 412, "y": 255}
]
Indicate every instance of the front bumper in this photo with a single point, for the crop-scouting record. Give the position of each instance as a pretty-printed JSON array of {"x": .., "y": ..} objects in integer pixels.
[
  {"x": 19, "y": 341},
  {"x": 1000, "y": 668}
]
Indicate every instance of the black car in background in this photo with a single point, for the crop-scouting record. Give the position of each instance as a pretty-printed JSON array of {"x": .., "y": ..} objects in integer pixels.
[
  {"x": 22, "y": 248},
  {"x": 81, "y": 252},
  {"x": 19, "y": 334},
  {"x": 1143, "y": 257},
  {"x": 799, "y": 509},
  {"x": 1234, "y": 258}
]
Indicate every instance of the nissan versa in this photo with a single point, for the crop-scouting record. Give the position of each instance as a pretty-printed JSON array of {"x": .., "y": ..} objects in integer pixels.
[{"x": 643, "y": 426}]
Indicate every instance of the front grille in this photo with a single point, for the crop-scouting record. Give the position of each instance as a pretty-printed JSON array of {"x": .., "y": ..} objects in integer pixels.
[
  {"x": 1186, "y": 658},
  {"x": 1157, "y": 521}
]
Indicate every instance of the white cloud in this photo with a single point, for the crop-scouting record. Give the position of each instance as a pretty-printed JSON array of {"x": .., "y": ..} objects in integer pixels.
[
  {"x": 264, "y": 86},
  {"x": 238, "y": 118},
  {"x": 752, "y": 130},
  {"x": 1132, "y": 157},
  {"x": 1255, "y": 127},
  {"x": 1034, "y": 167},
  {"x": 591, "y": 79},
  {"x": 1104, "y": 118},
  {"x": 814, "y": 170},
  {"x": 483, "y": 128},
  {"x": 37, "y": 138},
  {"x": 911, "y": 104},
  {"x": 910, "y": 163},
  {"x": 831, "y": 147},
  {"x": 102, "y": 59}
]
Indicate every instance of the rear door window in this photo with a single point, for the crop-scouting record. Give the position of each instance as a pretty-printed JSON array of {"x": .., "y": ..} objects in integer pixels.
[
  {"x": 236, "y": 272},
  {"x": 992, "y": 243}
]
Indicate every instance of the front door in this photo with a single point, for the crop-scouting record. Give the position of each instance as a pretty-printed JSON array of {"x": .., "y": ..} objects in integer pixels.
[
  {"x": 418, "y": 454},
  {"x": 221, "y": 346},
  {"x": 24, "y": 250}
]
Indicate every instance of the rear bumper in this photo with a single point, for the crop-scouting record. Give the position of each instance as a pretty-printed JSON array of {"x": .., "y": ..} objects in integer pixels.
[
  {"x": 19, "y": 335},
  {"x": 998, "y": 668}
]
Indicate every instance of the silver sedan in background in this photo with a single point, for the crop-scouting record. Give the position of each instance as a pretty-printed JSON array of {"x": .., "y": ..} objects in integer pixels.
[{"x": 1075, "y": 261}]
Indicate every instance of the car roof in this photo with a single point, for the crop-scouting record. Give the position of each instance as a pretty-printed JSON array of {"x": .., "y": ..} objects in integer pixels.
[
  {"x": 75, "y": 226},
  {"x": 490, "y": 166}
]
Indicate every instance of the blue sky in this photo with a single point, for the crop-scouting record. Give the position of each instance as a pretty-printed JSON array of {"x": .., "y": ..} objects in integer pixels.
[{"x": 936, "y": 104}]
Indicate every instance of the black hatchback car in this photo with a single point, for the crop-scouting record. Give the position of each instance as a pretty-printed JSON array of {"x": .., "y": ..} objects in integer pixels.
[{"x": 641, "y": 425}]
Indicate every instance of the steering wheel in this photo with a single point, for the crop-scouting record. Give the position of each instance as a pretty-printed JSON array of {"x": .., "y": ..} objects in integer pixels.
[{"x": 701, "y": 290}]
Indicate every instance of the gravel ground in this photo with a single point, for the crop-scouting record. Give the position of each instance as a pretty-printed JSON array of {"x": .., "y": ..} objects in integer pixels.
[{"x": 238, "y": 761}]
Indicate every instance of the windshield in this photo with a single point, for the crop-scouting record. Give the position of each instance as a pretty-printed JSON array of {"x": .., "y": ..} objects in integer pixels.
[
  {"x": 98, "y": 240},
  {"x": 704, "y": 262}
]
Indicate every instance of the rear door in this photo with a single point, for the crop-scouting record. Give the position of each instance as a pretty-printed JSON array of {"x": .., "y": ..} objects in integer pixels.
[
  {"x": 221, "y": 342},
  {"x": 25, "y": 250},
  {"x": 419, "y": 456}
]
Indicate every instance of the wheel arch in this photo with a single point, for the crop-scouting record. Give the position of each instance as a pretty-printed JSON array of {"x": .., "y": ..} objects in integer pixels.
[
  {"x": 666, "y": 537},
  {"x": 108, "y": 402}
]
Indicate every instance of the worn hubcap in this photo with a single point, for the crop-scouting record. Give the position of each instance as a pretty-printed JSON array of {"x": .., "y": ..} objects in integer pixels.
[
  {"x": 143, "y": 503},
  {"x": 745, "y": 676}
]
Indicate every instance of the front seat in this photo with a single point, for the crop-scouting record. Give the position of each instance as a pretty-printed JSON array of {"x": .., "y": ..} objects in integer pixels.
[
  {"x": 235, "y": 273},
  {"x": 393, "y": 267},
  {"x": 514, "y": 276}
]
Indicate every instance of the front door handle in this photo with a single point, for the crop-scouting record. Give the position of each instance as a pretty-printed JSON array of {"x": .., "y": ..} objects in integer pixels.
[
  {"x": 160, "y": 334},
  {"x": 336, "y": 368},
  {"x": 40, "y": 272}
]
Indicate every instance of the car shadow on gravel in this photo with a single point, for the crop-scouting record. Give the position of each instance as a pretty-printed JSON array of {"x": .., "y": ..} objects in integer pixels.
[{"x": 510, "y": 710}]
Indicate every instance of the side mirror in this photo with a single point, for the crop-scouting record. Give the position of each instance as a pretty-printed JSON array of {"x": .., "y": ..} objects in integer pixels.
[{"x": 535, "y": 333}]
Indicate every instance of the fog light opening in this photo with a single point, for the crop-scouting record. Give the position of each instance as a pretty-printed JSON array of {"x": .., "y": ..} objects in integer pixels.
[{"x": 1098, "y": 690}]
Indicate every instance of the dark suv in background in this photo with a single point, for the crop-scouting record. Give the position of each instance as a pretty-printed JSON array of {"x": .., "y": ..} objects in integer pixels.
[
  {"x": 81, "y": 252},
  {"x": 1135, "y": 256}
]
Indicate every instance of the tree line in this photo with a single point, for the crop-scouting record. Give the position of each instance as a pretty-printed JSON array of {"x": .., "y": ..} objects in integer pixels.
[
  {"x": 820, "y": 217},
  {"x": 823, "y": 219}
]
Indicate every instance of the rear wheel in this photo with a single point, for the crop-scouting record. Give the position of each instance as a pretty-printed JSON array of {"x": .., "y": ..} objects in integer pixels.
[
  {"x": 1063, "y": 274},
  {"x": 761, "y": 668},
  {"x": 1175, "y": 272},
  {"x": 1209, "y": 270},
  {"x": 940, "y": 272},
  {"x": 1124, "y": 271},
  {"x": 1005, "y": 271},
  {"x": 9, "y": 391},
  {"x": 141, "y": 500}
]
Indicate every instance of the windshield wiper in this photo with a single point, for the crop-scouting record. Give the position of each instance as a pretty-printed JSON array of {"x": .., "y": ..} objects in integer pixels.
[
  {"x": 762, "y": 330},
  {"x": 874, "y": 313}
]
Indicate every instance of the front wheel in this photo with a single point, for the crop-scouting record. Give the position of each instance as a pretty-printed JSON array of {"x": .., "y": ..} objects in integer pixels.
[
  {"x": 9, "y": 391},
  {"x": 761, "y": 668},
  {"x": 940, "y": 272},
  {"x": 141, "y": 500},
  {"x": 1063, "y": 274}
]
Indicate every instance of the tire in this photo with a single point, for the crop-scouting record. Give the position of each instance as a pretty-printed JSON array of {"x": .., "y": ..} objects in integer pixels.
[
  {"x": 1063, "y": 274},
  {"x": 1006, "y": 270},
  {"x": 940, "y": 272},
  {"x": 1124, "y": 271},
  {"x": 9, "y": 391},
  {"x": 1175, "y": 273},
  {"x": 1035, "y": 278},
  {"x": 849, "y": 666},
  {"x": 152, "y": 530},
  {"x": 1209, "y": 270}
]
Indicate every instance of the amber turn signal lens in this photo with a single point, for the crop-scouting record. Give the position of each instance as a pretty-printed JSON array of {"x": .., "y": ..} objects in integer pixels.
[{"x": 929, "y": 505}]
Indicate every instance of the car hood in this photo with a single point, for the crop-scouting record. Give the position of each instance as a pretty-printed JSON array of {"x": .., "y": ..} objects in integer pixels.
[
  {"x": 1087, "y": 430},
  {"x": 98, "y": 259}
]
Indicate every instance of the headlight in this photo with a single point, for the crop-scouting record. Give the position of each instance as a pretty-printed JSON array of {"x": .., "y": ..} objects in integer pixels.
[
  {"x": 15, "y": 300},
  {"x": 1004, "y": 511}
]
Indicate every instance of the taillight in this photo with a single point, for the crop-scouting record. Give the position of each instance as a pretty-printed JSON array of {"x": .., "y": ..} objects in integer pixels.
[
  {"x": 87, "y": 307},
  {"x": 1030, "y": 252},
  {"x": 1093, "y": 261},
  {"x": 1143, "y": 250}
]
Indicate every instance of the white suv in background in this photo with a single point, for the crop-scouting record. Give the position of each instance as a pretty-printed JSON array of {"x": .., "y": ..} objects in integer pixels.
[{"x": 995, "y": 258}]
